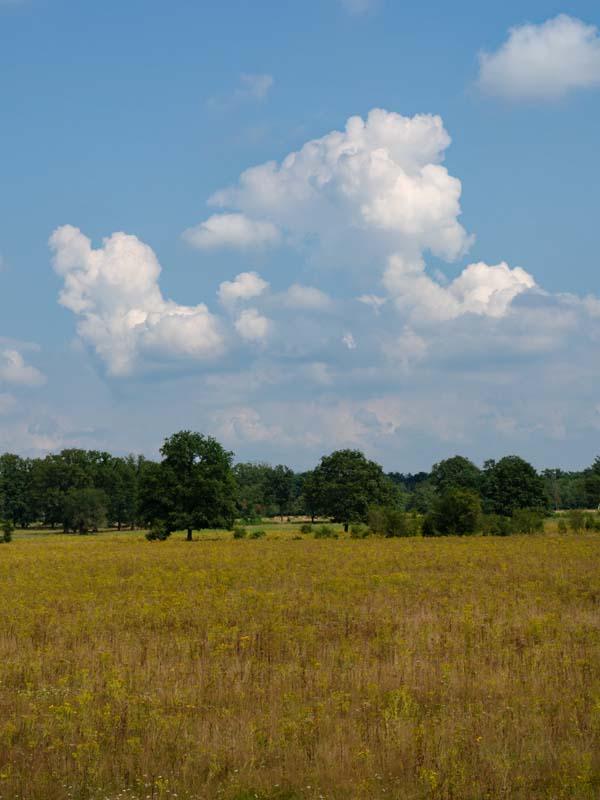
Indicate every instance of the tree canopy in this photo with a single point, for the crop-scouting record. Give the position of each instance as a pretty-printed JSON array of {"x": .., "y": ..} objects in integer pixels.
[{"x": 348, "y": 483}]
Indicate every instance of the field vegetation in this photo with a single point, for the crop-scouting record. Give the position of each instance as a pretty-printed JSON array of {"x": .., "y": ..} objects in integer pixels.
[{"x": 288, "y": 666}]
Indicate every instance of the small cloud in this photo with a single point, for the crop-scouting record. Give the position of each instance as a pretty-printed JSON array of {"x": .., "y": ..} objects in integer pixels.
[
  {"x": 252, "y": 326},
  {"x": 348, "y": 341},
  {"x": 373, "y": 301},
  {"x": 14, "y": 370},
  {"x": 543, "y": 62},
  {"x": 254, "y": 87},
  {"x": 235, "y": 231},
  {"x": 246, "y": 286},
  {"x": 306, "y": 297}
]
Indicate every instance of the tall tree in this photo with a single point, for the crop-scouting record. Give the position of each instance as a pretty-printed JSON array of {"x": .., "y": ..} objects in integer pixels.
[
  {"x": 198, "y": 487},
  {"x": 16, "y": 500},
  {"x": 348, "y": 483},
  {"x": 455, "y": 473},
  {"x": 510, "y": 484},
  {"x": 281, "y": 487}
]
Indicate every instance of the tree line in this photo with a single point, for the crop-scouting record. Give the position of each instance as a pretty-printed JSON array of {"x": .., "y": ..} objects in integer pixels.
[{"x": 196, "y": 486}]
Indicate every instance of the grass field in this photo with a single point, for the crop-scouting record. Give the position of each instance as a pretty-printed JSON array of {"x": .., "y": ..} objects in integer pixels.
[{"x": 453, "y": 669}]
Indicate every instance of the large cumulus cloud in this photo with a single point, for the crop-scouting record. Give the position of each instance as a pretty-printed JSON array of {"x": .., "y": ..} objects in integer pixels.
[
  {"x": 122, "y": 313},
  {"x": 377, "y": 191}
]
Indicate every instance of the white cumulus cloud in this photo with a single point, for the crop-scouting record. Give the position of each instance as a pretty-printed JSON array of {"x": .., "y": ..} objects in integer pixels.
[
  {"x": 14, "y": 369},
  {"x": 542, "y": 62},
  {"x": 245, "y": 286},
  {"x": 236, "y": 231},
  {"x": 479, "y": 289},
  {"x": 252, "y": 326},
  {"x": 121, "y": 311},
  {"x": 379, "y": 183}
]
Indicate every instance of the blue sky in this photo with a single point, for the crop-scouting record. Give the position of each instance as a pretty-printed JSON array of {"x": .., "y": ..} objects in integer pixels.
[{"x": 129, "y": 117}]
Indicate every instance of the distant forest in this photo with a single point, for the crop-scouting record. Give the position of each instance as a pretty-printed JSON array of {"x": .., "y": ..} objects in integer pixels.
[{"x": 78, "y": 489}]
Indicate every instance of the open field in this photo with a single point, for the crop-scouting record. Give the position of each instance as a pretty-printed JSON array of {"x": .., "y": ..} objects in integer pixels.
[{"x": 450, "y": 669}]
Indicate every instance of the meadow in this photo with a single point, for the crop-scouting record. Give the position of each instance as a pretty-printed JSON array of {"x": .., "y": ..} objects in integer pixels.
[{"x": 287, "y": 668}]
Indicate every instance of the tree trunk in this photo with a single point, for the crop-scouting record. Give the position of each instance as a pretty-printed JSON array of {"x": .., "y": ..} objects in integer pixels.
[
  {"x": 345, "y": 527},
  {"x": 189, "y": 535}
]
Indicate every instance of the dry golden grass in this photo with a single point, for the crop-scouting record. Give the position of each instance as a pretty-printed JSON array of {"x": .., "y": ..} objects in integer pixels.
[{"x": 444, "y": 669}]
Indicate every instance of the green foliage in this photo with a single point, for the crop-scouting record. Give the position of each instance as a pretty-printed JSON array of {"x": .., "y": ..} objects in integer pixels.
[
  {"x": 495, "y": 525},
  {"x": 84, "y": 510},
  {"x": 280, "y": 484},
  {"x": 311, "y": 493},
  {"x": 15, "y": 490},
  {"x": 6, "y": 528},
  {"x": 159, "y": 532},
  {"x": 349, "y": 483},
  {"x": 576, "y": 520},
  {"x": 455, "y": 473},
  {"x": 391, "y": 522},
  {"x": 239, "y": 533},
  {"x": 423, "y": 498},
  {"x": 592, "y": 522},
  {"x": 457, "y": 512},
  {"x": 511, "y": 484},
  {"x": 562, "y": 525},
  {"x": 359, "y": 531},
  {"x": 260, "y": 534},
  {"x": 306, "y": 528},
  {"x": 325, "y": 532},
  {"x": 253, "y": 497},
  {"x": 527, "y": 520},
  {"x": 197, "y": 487}
]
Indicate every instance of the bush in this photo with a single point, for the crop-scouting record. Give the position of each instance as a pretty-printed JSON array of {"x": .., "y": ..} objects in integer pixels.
[
  {"x": 562, "y": 525},
  {"x": 325, "y": 532},
  {"x": 390, "y": 522},
  {"x": 527, "y": 520},
  {"x": 456, "y": 513},
  {"x": 240, "y": 533},
  {"x": 7, "y": 528},
  {"x": 592, "y": 522},
  {"x": 359, "y": 531},
  {"x": 495, "y": 525},
  {"x": 576, "y": 520},
  {"x": 257, "y": 534},
  {"x": 306, "y": 528},
  {"x": 158, "y": 532}
]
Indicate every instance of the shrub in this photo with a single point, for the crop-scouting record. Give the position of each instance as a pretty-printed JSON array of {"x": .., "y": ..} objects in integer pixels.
[
  {"x": 359, "y": 531},
  {"x": 576, "y": 520},
  {"x": 306, "y": 528},
  {"x": 257, "y": 534},
  {"x": 527, "y": 520},
  {"x": 7, "y": 528},
  {"x": 562, "y": 525},
  {"x": 325, "y": 532},
  {"x": 240, "y": 533},
  {"x": 592, "y": 522},
  {"x": 158, "y": 532},
  {"x": 456, "y": 513},
  {"x": 390, "y": 522},
  {"x": 495, "y": 525}
]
